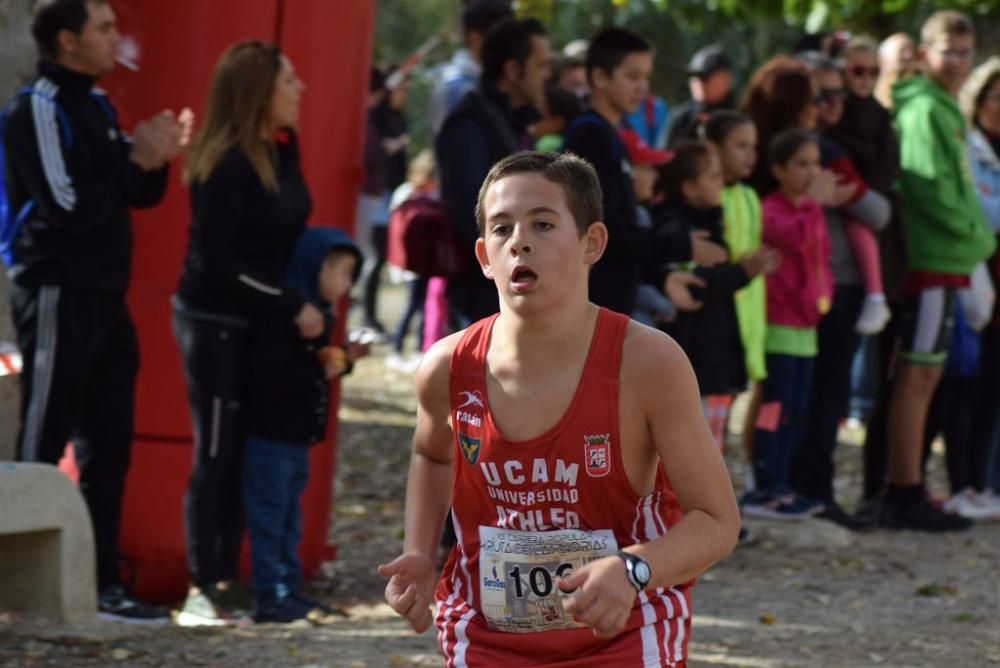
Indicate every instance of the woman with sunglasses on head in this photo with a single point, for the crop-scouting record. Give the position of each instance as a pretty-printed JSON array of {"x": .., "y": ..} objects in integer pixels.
[{"x": 249, "y": 205}]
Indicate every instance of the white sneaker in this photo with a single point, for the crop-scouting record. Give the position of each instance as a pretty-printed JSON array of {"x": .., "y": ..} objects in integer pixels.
[
  {"x": 875, "y": 314},
  {"x": 974, "y": 505}
]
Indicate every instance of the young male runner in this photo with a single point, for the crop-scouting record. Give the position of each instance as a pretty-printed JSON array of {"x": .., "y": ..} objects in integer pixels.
[{"x": 587, "y": 492}]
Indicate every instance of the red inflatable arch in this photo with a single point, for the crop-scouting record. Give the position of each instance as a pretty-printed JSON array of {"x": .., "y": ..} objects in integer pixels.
[{"x": 173, "y": 48}]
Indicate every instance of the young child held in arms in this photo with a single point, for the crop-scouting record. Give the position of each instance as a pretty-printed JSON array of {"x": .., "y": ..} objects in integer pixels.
[
  {"x": 798, "y": 295},
  {"x": 585, "y": 488},
  {"x": 288, "y": 399}
]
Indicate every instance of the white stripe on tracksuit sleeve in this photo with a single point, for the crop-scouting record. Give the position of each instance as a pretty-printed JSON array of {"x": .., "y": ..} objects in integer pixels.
[{"x": 47, "y": 134}]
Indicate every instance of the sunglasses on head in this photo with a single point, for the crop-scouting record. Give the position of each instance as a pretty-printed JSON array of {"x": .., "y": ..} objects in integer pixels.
[
  {"x": 827, "y": 95},
  {"x": 861, "y": 71}
]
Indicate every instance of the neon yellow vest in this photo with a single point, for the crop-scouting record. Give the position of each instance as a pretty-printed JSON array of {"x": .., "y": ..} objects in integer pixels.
[{"x": 742, "y": 230}]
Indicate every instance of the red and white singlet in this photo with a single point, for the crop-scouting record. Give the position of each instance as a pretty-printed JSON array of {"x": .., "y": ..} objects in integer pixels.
[{"x": 526, "y": 512}]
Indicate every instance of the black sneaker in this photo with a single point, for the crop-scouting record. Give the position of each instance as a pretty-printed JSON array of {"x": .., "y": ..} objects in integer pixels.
[
  {"x": 213, "y": 605},
  {"x": 870, "y": 507},
  {"x": 921, "y": 516},
  {"x": 282, "y": 611},
  {"x": 833, "y": 512},
  {"x": 115, "y": 605}
]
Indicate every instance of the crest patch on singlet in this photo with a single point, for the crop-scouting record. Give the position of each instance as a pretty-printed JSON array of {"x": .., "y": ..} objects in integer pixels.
[
  {"x": 470, "y": 448},
  {"x": 597, "y": 454}
]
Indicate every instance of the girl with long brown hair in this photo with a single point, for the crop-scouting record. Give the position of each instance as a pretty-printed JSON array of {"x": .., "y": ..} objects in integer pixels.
[{"x": 249, "y": 204}]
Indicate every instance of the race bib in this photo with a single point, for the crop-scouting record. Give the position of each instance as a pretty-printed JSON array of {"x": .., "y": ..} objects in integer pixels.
[{"x": 520, "y": 571}]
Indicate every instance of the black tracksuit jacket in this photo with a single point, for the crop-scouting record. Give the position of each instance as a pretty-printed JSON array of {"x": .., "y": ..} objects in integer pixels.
[{"x": 79, "y": 235}]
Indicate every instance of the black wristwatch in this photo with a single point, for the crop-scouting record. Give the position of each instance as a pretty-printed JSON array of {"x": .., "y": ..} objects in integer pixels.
[{"x": 637, "y": 570}]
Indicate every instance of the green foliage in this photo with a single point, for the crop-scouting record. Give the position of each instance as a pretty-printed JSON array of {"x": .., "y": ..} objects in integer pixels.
[{"x": 750, "y": 30}]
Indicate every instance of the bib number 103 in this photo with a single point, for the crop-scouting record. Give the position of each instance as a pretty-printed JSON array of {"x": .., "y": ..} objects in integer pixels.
[{"x": 540, "y": 580}]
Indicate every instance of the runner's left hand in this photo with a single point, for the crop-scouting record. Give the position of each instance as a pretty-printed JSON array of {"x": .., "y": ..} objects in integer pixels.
[{"x": 602, "y": 596}]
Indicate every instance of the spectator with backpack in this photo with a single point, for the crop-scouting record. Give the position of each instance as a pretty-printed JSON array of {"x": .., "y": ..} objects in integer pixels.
[
  {"x": 420, "y": 184},
  {"x": 70, "y": 176}
]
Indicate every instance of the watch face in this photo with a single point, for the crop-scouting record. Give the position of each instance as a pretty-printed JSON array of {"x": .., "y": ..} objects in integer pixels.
[{"x": 641, "y": 571}]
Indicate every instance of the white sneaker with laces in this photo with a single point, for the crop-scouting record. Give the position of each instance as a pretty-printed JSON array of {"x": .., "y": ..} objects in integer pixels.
[{"x": 974, "y": 505}]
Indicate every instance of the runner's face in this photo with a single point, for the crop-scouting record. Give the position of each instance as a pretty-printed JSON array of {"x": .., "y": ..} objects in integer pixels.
[{"x": 531, "y": 247}]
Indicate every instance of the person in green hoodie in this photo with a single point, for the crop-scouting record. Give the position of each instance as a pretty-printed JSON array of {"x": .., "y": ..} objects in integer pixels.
[{"x": 946, "y": 237}]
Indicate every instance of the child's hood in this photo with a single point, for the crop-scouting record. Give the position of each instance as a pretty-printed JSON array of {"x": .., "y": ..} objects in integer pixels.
[{"x": 313, "y": 246}]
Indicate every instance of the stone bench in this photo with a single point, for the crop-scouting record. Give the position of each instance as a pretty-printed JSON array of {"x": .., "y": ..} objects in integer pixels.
[{"x": 46, "y": 545}]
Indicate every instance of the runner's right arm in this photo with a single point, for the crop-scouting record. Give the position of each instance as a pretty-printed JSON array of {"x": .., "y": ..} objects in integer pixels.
[{"x": 410, "y": 590}]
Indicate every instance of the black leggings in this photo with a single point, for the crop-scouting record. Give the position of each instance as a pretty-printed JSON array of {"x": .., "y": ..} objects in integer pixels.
[
  {"x": 380, "y": 237},
  {"x": 214, "y": 355}
]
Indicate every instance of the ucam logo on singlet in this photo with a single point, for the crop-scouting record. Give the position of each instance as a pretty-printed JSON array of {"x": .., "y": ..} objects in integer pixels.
[{"x": 597, "y": 454}]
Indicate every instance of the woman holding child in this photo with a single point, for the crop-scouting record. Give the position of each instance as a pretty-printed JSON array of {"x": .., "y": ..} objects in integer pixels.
[{"x": 249, "y": 205}]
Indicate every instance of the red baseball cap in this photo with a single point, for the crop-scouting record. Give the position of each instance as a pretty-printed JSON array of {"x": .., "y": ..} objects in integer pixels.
[{"x": 641, "y": 153}]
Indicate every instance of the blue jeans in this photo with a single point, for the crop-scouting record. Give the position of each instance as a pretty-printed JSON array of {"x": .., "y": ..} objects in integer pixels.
[
  {"x": 274, "y": 476},
  {"x": 812, "y": 464},
  {"x": 788, "y": 382}
]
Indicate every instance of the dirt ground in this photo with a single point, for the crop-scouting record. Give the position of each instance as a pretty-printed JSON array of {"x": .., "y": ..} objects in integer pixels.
[{"x": 806, "y": 594}]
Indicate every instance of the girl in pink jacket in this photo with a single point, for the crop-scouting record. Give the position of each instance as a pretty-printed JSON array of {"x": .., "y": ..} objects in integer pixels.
[{"x": 798, "y": 295}]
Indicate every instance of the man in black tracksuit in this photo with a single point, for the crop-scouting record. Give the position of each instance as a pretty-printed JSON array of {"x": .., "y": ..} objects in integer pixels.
[{"x": 72, "y": 175}]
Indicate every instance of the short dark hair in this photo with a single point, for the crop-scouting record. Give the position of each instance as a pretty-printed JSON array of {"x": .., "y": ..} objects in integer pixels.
[
  {"x": 786, "y": 144},
  {"x": 611, "y": 47},
  {"x": 720, "y": 123},
  {"x": 376, "y": 79},
  {"x": 506, "y": 41},
  {"x": 574, "y": 174},
  {"x": 688, "y": 163},
  {"x": 54, "y": 16},
  {"x": 562, "y": 103},
  {"x": 481, "y": 15}
]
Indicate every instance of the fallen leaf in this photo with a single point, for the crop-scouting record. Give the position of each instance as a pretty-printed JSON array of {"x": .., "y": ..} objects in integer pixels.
[
  {"x": 935, "y": 589},
  {"x": 768, "y": 620}
]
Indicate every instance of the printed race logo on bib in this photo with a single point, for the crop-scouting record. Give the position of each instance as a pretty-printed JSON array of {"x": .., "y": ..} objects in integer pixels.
[{"x": 597, "y": 455}]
